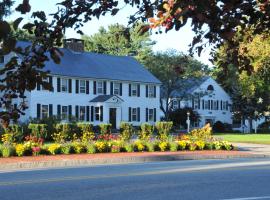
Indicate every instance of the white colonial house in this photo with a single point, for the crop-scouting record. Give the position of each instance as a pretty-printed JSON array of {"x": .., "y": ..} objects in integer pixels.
[
  {"x": 95, "y": 88},
  {"x": 205, "y": 96}
]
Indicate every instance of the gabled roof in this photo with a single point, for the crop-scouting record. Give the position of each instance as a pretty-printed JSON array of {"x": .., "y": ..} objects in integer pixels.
[
  {"x": 98, "y": 66},
  {"x": 103, "y": 98},
  {"x": 188, "y": 86}
]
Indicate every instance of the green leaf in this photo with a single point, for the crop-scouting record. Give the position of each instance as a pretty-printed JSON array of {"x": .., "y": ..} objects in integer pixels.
[{"x": 17, "y": 22}]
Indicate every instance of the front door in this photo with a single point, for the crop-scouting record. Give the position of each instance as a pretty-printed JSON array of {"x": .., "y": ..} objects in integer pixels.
[{"x": 113, "y": 117}]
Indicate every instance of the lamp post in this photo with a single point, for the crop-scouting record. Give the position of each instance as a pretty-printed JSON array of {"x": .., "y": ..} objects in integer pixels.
[{"x": 188, "y": 121}]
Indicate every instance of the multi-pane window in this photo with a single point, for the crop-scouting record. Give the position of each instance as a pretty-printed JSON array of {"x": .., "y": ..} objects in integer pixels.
[
  {"x": 116, "y": 88},
  {"x": 151, "y": 91},
  {"x": 64, "y": 113},
  {"x": 151, "y": 115},
  {"x": 45, "y": 80},
  {"x": 223, "y": 105},
  {"x": 100, "y": 87},
  {"x": 207, "y": 105},
  {"x": 82, "y": 86},
  {"x": 134, "y": 90},
  {"x": 97, "y": 113},
  {"x": 82, "y": 113},
  {"x": 215, "y": 107},
  {"x": 174, "y": 104},
  {"x": 44, "y": 111},
  {"x": 64, "y": 85},
  {"x": 196, "y": 103},
  {"x": 134, "y": 114}
]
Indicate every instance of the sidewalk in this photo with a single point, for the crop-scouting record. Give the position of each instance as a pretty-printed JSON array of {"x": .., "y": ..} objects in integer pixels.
[
  {"x": 258, "y": 149},
  {"x": 21, "y": 163}
]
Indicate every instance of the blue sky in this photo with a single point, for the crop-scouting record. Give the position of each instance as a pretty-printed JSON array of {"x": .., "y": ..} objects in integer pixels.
[{"x": 178, "y": 40}]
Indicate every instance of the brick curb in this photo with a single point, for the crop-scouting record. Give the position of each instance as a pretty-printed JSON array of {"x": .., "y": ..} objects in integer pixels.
[{"x": 43, "y": 162}]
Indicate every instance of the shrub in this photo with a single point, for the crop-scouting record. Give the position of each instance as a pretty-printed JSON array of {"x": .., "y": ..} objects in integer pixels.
[
  {"x": 209, "y": 145},
  {"x": 146, "y": 132},
  {"x": 54, "y": 148},
  {"x": 101, "y": 146},
  {"x": 139, "y": 146},
  {"x": 36, "y": 150},
  {"x": 182, "y": 144},
  {"x": 226, "y": 145},
  {"x": 20, "y": 149},
  {"x": 8, "y": 138},
  {"x": 150, "y": 146},
  {"x": 66, "y": 148},
  {"x": 163, "y": 129},
  {"x": 105, "y": 129},
  {"x": 64, "y": 132},
  {"x": 203, "y": 133},
  {"x": 173, "y": 146},
  {"x": 91, "y": 148},
  {"x": 38, "y": 130},
  {"x": 8, "y": 151},
  {"x": 217, "y": 145},
  {"x": 78, "y": 147},
  {"x": 163, "y": 146},
  {"x": 17, "y": 132},
  {"x": 129, "y": 147},
  {"x": 86, "y": 130},
  {"x": 115, "y": 148},
  {"x": 200, "y": 144},
  {"x": 126, "y": 131},
  {"x": 192, "y": 146},
  {"x": 88, "y": 137}
]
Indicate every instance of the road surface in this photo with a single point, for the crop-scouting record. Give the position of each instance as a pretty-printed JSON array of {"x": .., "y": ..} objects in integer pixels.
[{"x": 236, "y": 179}]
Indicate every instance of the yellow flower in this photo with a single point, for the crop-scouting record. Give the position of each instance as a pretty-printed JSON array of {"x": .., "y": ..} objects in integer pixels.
[{"x": 20, "y": 149}]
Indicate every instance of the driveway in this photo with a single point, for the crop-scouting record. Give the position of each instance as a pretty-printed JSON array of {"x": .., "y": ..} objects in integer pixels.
[{"x": 261, "y": 149}]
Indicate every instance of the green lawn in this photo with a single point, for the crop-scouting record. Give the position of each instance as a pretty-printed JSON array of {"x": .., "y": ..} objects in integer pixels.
[{"x": 245, "y": 138}]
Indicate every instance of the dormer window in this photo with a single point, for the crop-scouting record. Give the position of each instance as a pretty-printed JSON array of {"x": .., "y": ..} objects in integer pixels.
[{"x": 210, "y": 88}]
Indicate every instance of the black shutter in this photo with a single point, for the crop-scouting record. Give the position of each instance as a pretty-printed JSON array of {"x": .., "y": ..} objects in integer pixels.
[
  {"x": 38, "y": 86},
  {"x": 203, "y": 104},
  {"x": 227, "y": 105},
  {"x": 138, "y": 90},
  {"x": 146, "y": 114},
  {"x": 77, "y": 86},
  {"x": 155, "y": 91},
  {"x": 87, "y": 87},
  {"x": 38, "y": 110},
  {"x": 138, "y": 114},
  {"x": 192, "y": 102},
  {"x": 87, "y": 113},
  {"x": 155, "y": 114},
  {"x": 59, "y": 111},
  {"x": 50, "y": 110},
  {"x": 111, "y": 88},
  {"x": 51, "y": 82},
  {"x": 95, "y": 87},
  {"x": 221, "y": 105},
  {"x": 199, "y": 103},
  {"x": 104, "y": 87},
  {"x": 209, "y": 105},
  {"x": 58, "y": 84},
  {"x": 217, "y": 104},
  {"x": 129, "y": 89},
  {"x": 92, "y": 113},
  {"x": 69, "y": 112},
  {"x": 77, "y": 112},
  {"x": 129, "y": 114},
  {"x": 70, "y": 85},
  {"x": 212, "y": 105},
  {"x": 101, "y": 113},
  {"x": 146, "y": 90},
  {"x": 121, "y": 88}
]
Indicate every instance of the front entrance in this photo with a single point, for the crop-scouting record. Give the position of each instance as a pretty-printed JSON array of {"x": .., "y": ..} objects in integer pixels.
[{"x": 113, "y": 117}]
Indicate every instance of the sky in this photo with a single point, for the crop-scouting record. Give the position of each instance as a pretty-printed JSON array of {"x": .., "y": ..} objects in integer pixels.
[{"x": 178, "y": 40}]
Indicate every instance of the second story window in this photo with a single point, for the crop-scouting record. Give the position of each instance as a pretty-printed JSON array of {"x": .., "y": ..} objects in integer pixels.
[
  {"x": 116, "y": 88},
  {"x": 151, "y": 91},
  {"x": 64, "y": 85},
  {"x": 174, "y": 104},
  {"x": 134, "y": 89},
  {"x": 82, "y": 86},
  {"x": 45, "y": 80},
  {"x": 100, "y": 87}
]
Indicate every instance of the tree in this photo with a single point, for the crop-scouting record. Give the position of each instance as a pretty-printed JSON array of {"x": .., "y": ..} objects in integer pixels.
[
  {"x": 120, "y": 40},
  {"x": 250, "y": 93},
  {"x": 172, "y": 68},
  {"x": 214, "y": 22}
]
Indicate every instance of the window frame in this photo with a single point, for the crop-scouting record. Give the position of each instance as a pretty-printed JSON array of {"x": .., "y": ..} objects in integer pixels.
[
  {"x": 44, "y": 115},
  {"x": 100, "y": 87},
  {"x": 151, "y": 91},
  {"x": 151, "y": 115},
  {"x": 134, "y": 114},
  {"x": 97, "y": 113},
  {"x": 82, "y": 108},
  {"x": 116, "y": 88},
  {"x": 64, "y": 114},
  {"x": 82, "y": 88},
  {"x": 174, "y": 104},
  {"x": 64, "y": 80},
  {"x": 134, "y": 88},
  {"x": 2, "y": 59}
]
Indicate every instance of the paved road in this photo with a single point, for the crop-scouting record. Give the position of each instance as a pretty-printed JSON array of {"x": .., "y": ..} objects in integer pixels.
[{"x": 237, "y": 179}]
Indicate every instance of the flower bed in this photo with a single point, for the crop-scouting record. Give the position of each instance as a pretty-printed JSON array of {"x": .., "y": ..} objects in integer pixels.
[{"x": 198, "y": 139}]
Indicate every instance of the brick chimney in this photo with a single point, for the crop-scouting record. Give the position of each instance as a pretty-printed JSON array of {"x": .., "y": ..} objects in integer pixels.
[{"x": 74, "y": 44}]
